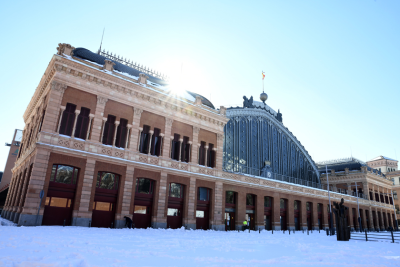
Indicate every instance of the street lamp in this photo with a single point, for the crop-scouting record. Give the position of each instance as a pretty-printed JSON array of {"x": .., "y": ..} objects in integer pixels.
[{"x": 330, "y": 207}]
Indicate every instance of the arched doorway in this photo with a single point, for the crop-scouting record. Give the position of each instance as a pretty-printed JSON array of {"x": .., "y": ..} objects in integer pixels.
[
  {"x": 60, "y": 195},
  {"x": 230, "y": 210},
  {"x": 268, "y": 213},
  {"x": 297, "y": 216},
  {"x": 250, "y": 211},
  {"x": 203, "y": 208},
  {"x": 143, "y": 203},
  {"x": 283, "y": 209},
  {"x": 175, "y": 205},
  {"x": 105, "y": 199}
]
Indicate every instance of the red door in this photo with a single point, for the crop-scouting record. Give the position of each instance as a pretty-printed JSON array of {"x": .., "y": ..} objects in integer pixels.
[
  {"x": 57, "y": 211},
  {"x": 203, "y": 208},
  {"x": 175, "y": 206},
  {"x": 105, "y": 200},
  {"x": 143, "y": 203}
]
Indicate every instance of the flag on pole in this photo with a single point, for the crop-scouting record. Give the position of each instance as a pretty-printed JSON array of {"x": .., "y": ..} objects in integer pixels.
[{"x": 263, "y": 75}]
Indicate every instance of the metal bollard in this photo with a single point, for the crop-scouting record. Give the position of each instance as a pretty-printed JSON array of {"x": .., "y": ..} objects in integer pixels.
[
  {"x": 259, "y": 230},
  {"x": 272, "y": 231},
  {"x": 307, "y": 231},
  {"x": 392, "y": 236},
  {"x": 289, "y": 231}
]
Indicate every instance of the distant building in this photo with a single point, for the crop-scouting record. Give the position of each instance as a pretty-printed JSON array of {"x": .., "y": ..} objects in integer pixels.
[{"x": 5, "y": 177}]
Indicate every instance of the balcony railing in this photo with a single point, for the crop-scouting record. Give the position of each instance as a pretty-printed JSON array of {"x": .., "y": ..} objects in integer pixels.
[{"x": 244, "y": 170}]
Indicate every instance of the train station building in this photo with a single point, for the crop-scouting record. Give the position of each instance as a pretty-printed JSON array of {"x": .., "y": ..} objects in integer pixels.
[{"x": 105, "y": 138}]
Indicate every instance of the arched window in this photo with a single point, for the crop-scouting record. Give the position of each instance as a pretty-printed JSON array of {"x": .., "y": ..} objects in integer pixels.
[
  {"x": 203, "y": 194},
  {"x": 121, "y": 133},
  {"x": 68, "y": 118},
  {"x": 82, "y": 123},
  {"x": 144, "y": 186},
  {"x": 64, "y": 174},
  {"x": 202, "y": 153},
  {"x": 267, "y": 202},
  {"x": 107, "y": 180},
  {"x": 250, "y": 200},
  {"x": 175, "y": 147},
  {"x": 108, "y": 133},
  {"x": 230, "y": 197},
  {"x": 156, "y": 143},
  {"x": 211, "y": 156},
  {"x": 176, "y": 190},
  {"x": 144, "y": 139}
]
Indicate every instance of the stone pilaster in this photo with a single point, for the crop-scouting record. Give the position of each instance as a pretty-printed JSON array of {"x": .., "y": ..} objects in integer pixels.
[
  {"x": 218, "y": 153},
  {"x": 195, "y": 146},
  {"x": 303, "y": 214},
  {"x": 126, "y": 198},
  {"x": 135, "y": 135},
  {"x": 190, "y": 222},
  {"x": 98, "y": 119},
  {"x": 160, "y": 220},
  {"x": 83, "y": 215},
  {"x": 36, "y": 184},
  {"x": 167, "y": 141},
  {"x": 51, "y": 118},
  {"x": 219, "y": 211},
  {"x": 290, "y": 209}
]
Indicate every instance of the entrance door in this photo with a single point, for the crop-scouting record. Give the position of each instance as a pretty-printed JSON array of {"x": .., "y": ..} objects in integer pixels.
[
  {"x": 105, "y": 200},
  {"x": 60, "y": 195},
  {"x": 57, "y": 211},
  {"x": 175, "y": 206},
  {"x": 202, "y": 219},
  {"x": 250, "y": 221},
  {"x": 103, "y": 214},
  {"x": 283, "y": 205},
  {"x": 143, "y": 203},
  {"x": 267, "y": 222},
  {"x": 203, "y": 208},
  {"x": 142, "y": 216},
  {"x": 229, "y": 221}
]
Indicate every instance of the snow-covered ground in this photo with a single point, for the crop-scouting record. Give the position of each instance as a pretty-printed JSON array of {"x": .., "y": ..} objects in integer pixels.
[{"x": 77, "y": 246}]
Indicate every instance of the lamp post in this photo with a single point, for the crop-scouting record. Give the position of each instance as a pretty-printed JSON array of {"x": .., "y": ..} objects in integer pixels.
[
  {"x": 394, "y": 208},
  {"x": 358, "y": 209},
  {"x": 330, "y": 207}
]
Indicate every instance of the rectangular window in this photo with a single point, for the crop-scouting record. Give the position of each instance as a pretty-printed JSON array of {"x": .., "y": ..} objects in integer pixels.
[
  {"x": 175, "y": 190},
  {"x": 108, "y": 133},
  {"x": 230, "y": 197},
  {"x": 199, "y": 214},
  {"x": 267, "y": 202},
  {"x": 103, "y": 206},
  {"x": 173, "y": 212},
  {"x": 140, "y": 209},
  {"x": 203, "y": 194},
  {"x": 296, "y": 207},
  {"x": 308, "y": 206},
  {"x": 82, "y": 123},
  {"x": 58, "y": 202},
  {"x": 68, "y": 119}
]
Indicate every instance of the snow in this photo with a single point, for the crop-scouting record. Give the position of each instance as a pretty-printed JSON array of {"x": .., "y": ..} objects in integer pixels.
[
  {"x": 79, "y": 246},
  {"x": 382, "y": 157}
]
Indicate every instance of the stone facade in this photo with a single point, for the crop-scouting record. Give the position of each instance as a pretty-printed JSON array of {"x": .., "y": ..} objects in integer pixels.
[{"x": 105, "y": 92}]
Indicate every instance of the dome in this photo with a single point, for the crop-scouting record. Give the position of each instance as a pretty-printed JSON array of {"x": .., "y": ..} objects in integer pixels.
[{"x": 204, "y": 100}]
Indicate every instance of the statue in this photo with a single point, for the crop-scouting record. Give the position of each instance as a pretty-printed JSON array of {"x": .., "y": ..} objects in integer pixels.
[
  {"x": 248, "y": 103},
  {"x": 342, "y": 229},
  {"x": 279, "y": 116}
]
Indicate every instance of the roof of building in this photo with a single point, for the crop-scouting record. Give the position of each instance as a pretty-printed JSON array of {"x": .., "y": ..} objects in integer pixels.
[
  {"x": 88, "y": 55},
  {"x": 382, "y": 157},
  {"x": 339, "y": 165}
]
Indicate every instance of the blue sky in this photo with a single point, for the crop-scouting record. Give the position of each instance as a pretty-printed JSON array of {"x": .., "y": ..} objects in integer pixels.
[{"x": 332, "y": 67}]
